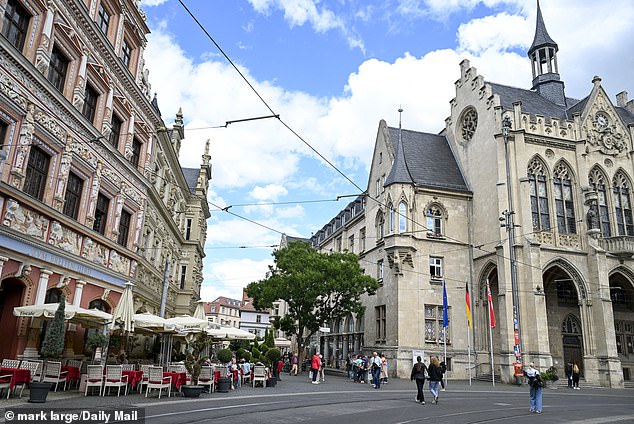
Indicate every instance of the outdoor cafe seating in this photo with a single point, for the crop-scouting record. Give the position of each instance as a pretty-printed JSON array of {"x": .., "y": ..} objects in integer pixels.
[
  {"x": 11, "y": 375},
  {"x": 94, "y": 378},
  {"x": 158, "y": 380},
  {"x": 115, "y": 378},
  {"x": 53, "y": 373}
]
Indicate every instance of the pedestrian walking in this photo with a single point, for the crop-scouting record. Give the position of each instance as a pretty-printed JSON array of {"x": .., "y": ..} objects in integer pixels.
[
  {"x": 294, "y": 367},
  {"x": 322, "y": 369},
  {"x": 535, "y": 383},
  {"x": 576, "y": 372},
  {"x": 435, "y": 376},
  {"x": 418, "y": 374},
  {"x": 375, "y": 369},
  {"x": 443, "y": 370},
  {"x": 383, "y": 369},
  {"x": 568, "y": 370},
  {"x": 315, "y": 364}
]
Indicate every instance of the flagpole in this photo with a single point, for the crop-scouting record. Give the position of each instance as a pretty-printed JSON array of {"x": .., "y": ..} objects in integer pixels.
[
  {"x": 489, "y": 299},
  {"x": 469, "y": 351},
  {"x": 491, "y": 350},
  {"x": 445, "y": 318}
]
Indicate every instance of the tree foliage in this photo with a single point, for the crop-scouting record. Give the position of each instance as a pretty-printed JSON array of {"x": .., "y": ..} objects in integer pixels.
[
  {"x": 317, "y": 287},
  {"x": 53, "y": 344},
  {"x": 194, "y": 358}
]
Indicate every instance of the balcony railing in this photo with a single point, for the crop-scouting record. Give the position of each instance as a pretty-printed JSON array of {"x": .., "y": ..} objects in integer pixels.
[{"x": 621, "y": 246}]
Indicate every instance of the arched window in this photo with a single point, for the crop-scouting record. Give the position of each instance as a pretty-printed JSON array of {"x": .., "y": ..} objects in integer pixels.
[
  {"x": 402, "y": 217},
  {"x": 597, "y": 181},
  {"x": 380, "y": 226},
  {"x": 434, "y": 221},
  {"x": 391, "y": 224},
  {"x": 539, "y": 195},
  {"x": 622, "y": 205},
  {"x": 564, "y": 205}
]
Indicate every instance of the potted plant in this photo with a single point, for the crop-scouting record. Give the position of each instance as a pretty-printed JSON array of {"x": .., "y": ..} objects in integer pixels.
[
  {"x": 194, "y": 360},
  {"x": 224, "y": 383},
  {"x": 96, "y": 343},
  {"x": 549, "y": 377},
  {"x": 52, "y": 348},
  {"x": 273, "y": 356}
]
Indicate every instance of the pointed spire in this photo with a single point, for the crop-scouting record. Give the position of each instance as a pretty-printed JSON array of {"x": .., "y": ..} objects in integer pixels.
[{"x": 542, "y": 39}]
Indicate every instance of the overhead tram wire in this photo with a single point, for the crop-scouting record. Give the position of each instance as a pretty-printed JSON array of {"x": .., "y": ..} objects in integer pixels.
[{"x": 466, "y": 244}]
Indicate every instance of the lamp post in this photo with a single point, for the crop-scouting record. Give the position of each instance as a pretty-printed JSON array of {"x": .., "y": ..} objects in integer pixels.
[{"x": 508, "y": 218}]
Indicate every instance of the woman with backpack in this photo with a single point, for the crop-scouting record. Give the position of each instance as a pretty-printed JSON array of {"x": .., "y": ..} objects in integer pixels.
[
  {"x": 418, "y": 374},
  {"x": 535, "y": 383}
]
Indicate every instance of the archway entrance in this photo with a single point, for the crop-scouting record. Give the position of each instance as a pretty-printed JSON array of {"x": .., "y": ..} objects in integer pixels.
[
  {"x": 11, "y": 292},
  {"x": 563, "y": 311},
  {"x": 572, "y": 341}
]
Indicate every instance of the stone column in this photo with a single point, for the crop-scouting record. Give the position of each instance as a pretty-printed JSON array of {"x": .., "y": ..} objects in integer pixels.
[
  {"x": 42, "y": 285},
  {"x": 129, "y": 138},
  {"x": 3, "y": 259},
  {"x": 43, "y": 55},
  {"x": 344, "y": 352},
  {"x": 357, "y": 343},
  {"x": 94, "y": 193},
  {"x": 33, "y": 337},
  {"x": 120, "y": 200},
  {"x": 25, "y": 142},
  {"x": 80, "y": 86},
  {"x": 62, "y": 175}
]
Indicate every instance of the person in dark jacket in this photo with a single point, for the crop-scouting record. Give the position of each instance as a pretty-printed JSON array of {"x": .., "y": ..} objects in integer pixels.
[
  {"x": 435, "y": 375},
  {"x": 418, "y": 373}
]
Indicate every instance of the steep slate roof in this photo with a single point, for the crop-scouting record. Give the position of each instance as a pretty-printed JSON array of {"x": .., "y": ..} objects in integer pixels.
[
  {"x": 191, "y": 176},
  {"x": 535, "y": 104},
  {"x": 430, "y": 162},
  {"x": 532, "y": 102}
]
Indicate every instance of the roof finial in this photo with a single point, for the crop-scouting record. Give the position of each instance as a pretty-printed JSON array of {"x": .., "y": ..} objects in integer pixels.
[{"x": 400, "y": 129}]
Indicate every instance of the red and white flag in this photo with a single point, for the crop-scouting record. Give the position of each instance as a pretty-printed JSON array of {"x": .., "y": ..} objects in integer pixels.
[{"x": 490, "y": 300}]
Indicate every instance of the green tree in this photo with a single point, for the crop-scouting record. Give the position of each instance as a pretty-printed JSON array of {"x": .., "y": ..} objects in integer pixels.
[
  {"x": 269, "y": 338},
  {"x": 53, "y": 344},
  {"x": 317, "y": 288}
]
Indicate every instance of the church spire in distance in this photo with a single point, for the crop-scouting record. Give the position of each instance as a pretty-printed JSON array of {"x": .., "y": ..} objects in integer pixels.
[{"x": 543, "y": 55}]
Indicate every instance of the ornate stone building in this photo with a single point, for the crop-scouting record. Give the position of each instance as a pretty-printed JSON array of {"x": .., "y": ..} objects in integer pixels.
[
  {"x": 88, "y": 171},
  {"x": 557, "y": 182}
]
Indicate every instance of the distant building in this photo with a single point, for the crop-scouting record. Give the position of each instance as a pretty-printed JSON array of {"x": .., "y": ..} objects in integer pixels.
[
  {"x": 557, "y": 173},
  {"x": 223, "y": 311},
  {"x": 253, "y": 320}
]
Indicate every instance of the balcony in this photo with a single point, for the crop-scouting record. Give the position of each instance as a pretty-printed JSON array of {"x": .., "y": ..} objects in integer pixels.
[{"x": 619, "y": 246}]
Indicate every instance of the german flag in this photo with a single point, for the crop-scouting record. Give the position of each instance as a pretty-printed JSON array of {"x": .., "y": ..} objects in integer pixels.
[{"x": 468, "y": 306}]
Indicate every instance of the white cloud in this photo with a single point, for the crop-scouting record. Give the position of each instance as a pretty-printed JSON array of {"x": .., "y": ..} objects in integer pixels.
[
  {"x": 269, "y": 192},
  {"x": 229, "y": 277},
  {"x": 149, "y": 3},
  {"x": 300, "y": 12},
  {"x": 264, "y": 155}
]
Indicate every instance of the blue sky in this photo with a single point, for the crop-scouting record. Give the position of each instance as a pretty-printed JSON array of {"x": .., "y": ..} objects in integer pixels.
[{"x": 332, "y": 69}]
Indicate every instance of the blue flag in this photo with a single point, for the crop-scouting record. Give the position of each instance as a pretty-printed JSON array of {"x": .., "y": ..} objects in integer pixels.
[{"x": 445, "y": 306}]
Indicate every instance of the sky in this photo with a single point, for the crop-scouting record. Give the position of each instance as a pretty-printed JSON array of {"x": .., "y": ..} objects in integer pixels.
[{"x": 331, "y": 70}]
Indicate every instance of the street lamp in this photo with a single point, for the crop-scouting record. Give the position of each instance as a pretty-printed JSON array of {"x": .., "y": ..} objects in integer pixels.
[{"x": 510, "y": 228}]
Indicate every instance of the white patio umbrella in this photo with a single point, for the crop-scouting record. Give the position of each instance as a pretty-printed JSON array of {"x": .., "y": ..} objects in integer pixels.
[
  {"x": 199, "y": 312},
  {"x": 189, "y": 323},
  {"x": 237, "y": 334},
  {"x": 123, "y": 315},
  {"x": 86, "y": 317},
  {"x": 216, "y": 333},
  {"x": 154, "y": 323}
]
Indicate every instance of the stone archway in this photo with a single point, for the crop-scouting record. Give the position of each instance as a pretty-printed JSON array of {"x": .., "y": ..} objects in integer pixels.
[
  {"x": 565, "y": 293},
  {"x": 572, "y": 341},
  {"x": 622, "y": 297},
  {"x": 11, "y": 294}
]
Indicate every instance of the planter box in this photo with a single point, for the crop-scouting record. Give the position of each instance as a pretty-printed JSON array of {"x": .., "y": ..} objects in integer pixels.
[
  {"x": 191, "y": 391},
  {"x": 38, "y": 391}
]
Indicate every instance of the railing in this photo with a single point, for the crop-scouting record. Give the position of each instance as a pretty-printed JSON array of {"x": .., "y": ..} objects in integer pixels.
[{"x": 621, "y": 246}]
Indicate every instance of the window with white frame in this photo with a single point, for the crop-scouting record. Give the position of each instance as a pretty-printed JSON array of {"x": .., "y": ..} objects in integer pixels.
[
  {"x": 379, "y": 270},
  {"x": 434, "y": 330},
  {"x": 433, "y": 217},
  {"x": 402, "y": 217},
  {"x": 362, "y": 239},
  {"x": 435, "y": 267}
]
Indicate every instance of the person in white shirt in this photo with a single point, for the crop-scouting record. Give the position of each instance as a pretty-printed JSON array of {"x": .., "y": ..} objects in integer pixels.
[{"x": 375, "y": 368}]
